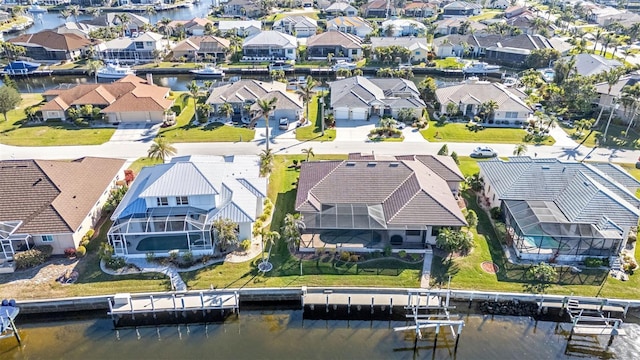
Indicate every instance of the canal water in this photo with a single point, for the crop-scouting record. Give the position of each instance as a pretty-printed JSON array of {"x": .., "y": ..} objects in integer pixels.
[{"x": 285, "y": 334}]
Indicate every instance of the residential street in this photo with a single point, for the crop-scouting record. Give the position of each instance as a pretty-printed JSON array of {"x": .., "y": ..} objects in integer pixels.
[{"x": 354, "y": 141}]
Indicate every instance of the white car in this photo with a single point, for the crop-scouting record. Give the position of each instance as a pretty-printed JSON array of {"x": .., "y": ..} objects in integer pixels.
[
  {"x": 483, "y": 152},
  {"x": 283, "y": 124}
]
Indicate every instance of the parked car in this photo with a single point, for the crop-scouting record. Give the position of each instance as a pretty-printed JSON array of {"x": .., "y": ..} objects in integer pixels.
[
  {"x": 400, "y": 125},
  {"x": 283, "y": 124},
  {"x": 483, "y": 152}
]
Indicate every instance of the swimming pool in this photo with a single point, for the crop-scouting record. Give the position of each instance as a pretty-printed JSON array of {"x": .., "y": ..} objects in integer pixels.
[
  {"x": 544, "y": 242},
  {"x": 165, "y": 242}
]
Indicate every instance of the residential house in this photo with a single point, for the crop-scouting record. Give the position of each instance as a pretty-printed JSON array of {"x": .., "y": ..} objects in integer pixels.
[
  {"x": 50, "y": 45},
  {"x": 454, "y": 26},
  {"x": 378, "y": 9},
  {"x": 173, "y": 206},
  {"x": 296, "y": 25},
  {"x": 52, "y": 202},
  {"x": 243, "y": 94},
  {"x": 359, "y": 98},
  {"x": 526, "y": 23},
  {"x": 590, "y": 64},
  {"x": 561, "y": 211},
  {"x": 77, "y": 28},
  {"x": 454, "y": 45},
  {"x": 608, "y": 97},
  {"x": 498, "y": 4},
  {"x": 515, "y": 10},
  {"x": 420, "y": 9},
  {"x": 461, "y": 8},
  {"x": 371, "y": 202},
  {"x": 202, "y": 47},
  {"x": 351, "y": 25},
  {"x": 243, "y": 28},
  {"x": 145, "y": 47},
  {"x": 468, "y": 97},
  {"x": 270, "y": 45},
  {"x": 418, "y": 46},
  {"x": 341, "y": 45},
  {"x": 136, "y": 23},
  {"x": 600, "y": 15},
  {"x": 403, "y": 27},
  {"x": 130, "y": 99},
  {"x": 340, "y": 8},
  {"x": 196, "y": 26},
  {"x": 4, "y": 16},
  {"x": 243, "y": 8},
  {"x": 626, "y": 19}
]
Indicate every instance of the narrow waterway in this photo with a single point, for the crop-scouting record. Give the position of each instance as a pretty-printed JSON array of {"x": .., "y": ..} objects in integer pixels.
[{"x": 286, "y": 335}]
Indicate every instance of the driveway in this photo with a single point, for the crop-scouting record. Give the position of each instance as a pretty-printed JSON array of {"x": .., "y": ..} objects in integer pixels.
[
  {"x": 131, "y": 132},
  {"x": 353, "y": 130}
]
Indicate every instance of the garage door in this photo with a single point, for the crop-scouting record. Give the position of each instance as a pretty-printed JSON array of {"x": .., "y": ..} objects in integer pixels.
[
  {"x": 134, "y": 116},
  {"x": 359, "y": 114},
  {"x": 341, "y": 114}
]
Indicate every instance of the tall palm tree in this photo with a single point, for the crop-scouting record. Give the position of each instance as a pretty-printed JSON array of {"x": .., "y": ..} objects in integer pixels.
[
  {"x": 597, "y": 37},
  {"x": 266, "y": 162},
  {"x": 266, "y": 106},
  {"x": 612, "y": 77},
  {"x": 75, "y": 12},
  {"x": 94, "y": 11},
  {"x": 194, "y": 91},
  {"x": 291, "y": 229},
  {"x": 632, "y": 92},
  {"x": 489, "y": 108},
  {"x": 306, "y": 92},
  {"x": 269, "y": 237},
  {"x": 520, "y": 149},
  {"x": 308, "y": 152},
  {"x": 150, "y": 11},
  {"x": 161, "y": 149},
  {"x": 226, "y": 110},
  {"x": 164, "y": 26},
  {"x": 92, "y": 68},
  {"x": 124, "y": 20}
]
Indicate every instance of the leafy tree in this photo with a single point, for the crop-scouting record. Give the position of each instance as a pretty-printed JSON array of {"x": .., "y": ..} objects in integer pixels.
[
  {"x": 472, "y": 218},
  {"x": 266, "y": 162},
  {"x": 454, "y": 241},
  {"x": 488, "y": 109},
  {"x": 161, "y": 149},
  {"x": 406, "y": 115},
  {"x": 9, "y": 99},
  {"x": 291, "y": 229},
  {"x": 541, "y": 58},
  {"x": 444, "y": 150},
  {"x": 520, "y": 149},
  {"x": 475, "y": 182},
  {"x": 226, "y": 233},
  {"x": 454, "y": 156},
  {"x": 427, "y": 88},
  {"x": 266, "y": 106},
  {"x": 308, "y": 152},
  {"x": 115, "y": 196},
  {"x": 541, "y": 276},
  {"x": 8, "y": 81}
]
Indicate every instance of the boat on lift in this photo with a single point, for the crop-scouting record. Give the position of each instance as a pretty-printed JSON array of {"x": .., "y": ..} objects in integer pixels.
[
  {"x": 208, "y": 71},
  {"x": 115, "y": 71},
  {"x": 481, "y": 67}
]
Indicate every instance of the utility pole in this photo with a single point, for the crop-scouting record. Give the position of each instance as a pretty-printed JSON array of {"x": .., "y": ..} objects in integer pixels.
[{"x": 321, "y": 110}]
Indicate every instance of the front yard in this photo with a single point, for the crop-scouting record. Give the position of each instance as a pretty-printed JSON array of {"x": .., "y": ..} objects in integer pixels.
[
  {"x": 459, "y": 132},
  {"x": 15, "y": 131},
  {"x": 314, "y": 131}
]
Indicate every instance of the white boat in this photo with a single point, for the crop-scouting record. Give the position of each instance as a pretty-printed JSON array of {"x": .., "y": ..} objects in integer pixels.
[
  {"x": 115, "y": 71},
  {"x": 343, "y": 64},
  {"x": 481, "y": 68},
  {"x": 510, "y": 81},
  {"x": 35, "y": 9},
  {"x": 208, "y": 71},
  {"x": 547, "y": 74}
]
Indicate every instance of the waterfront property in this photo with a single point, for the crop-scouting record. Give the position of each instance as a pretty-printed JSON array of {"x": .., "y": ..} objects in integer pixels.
[
  {"x": 195, "y": 26},
  {"x": 142, "y": 48},
  {"x": 359, "y": 98},
  {"x": 351, "y": 25},
  {"x": 469, "y": 98},
  {"x": 130, "y": 99},
  {"x": 368, "y": 202},
  {"x": 173, "y": 206},
  {"x": 561, "y": 211},
  {"x": 135, "y": 24},
  {"x": 48, "y": 202},
  {"x": 341, "y": 45},
  {"x": 269, "y": 45},
  {"x": 202, "y": 47},
  {"x": 298, "y": 26},
  {"x": 50, "y": 45},
  {"x": 417, "y": 45}
]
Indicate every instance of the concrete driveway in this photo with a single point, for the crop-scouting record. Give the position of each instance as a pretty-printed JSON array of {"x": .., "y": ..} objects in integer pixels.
[
  {"x": 353, "y": 130},
  {"x": 141, "y": 132}
]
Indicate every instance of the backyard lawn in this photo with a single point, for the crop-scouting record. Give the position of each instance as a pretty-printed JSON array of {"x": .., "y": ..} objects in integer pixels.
[
  {"x": 14, "y": 131},
  {"x": 314, "y": 131},
  {"x": 186, "y": 131},
  {"x": 449, "y": 63},
  {"x": 459, "y": 132},
  {"x": 137, "y": 165}
]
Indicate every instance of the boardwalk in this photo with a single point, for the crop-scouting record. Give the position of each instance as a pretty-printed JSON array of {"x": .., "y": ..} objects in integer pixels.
[{"x": 129, "y": 304}]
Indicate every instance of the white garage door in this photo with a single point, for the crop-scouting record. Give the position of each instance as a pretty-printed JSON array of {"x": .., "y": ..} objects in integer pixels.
[
  {"x": 359, "y": 114},
  {"x": 341, "y": 114}
]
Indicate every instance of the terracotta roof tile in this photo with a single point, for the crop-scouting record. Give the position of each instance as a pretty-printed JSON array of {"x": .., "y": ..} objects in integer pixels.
[{"x": 53, "y": 40}]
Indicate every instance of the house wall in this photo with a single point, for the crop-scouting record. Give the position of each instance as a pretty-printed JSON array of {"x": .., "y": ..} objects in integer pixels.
[
  {"x": 505, "y": 57},
  {"x": 291, "y": 114},
  {"x": 520, "y": 119},
  {"x": 204, "y": 202},
  {"x": 135, "y": 116},
  {"x": 59, "y": 243},
  {"x": 49, "y": 114},
  {"x": 245, "y": 230}
]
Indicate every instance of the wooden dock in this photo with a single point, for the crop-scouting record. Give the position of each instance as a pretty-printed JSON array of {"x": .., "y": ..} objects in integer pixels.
[
  {"x": 131, "y": 304},
  {"x": 375, "y": 298}
]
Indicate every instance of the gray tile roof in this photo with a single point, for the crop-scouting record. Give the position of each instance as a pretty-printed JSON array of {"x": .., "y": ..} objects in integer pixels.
[
  {"x": 244, "y": 91},
  {"x": 404, "y": 41},
  {"x": 360, "y": 91},
  {"x": 616, "y": 90},
  {"x": 589, "y": 64},
  {"x": 335, "y": 38},
  {"x": 271, "y": 38},
  {"x": 508, "y": 99},
  {"x": 410, "y": 193}
]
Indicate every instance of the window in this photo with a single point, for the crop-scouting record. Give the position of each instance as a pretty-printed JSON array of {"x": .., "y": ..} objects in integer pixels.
[
  {"x": 162, "y": 201},
  {"x": 289, "y": 51},
  {"x": 47, "y": 238},
  {"x": 148, "y": 44},
  {"x": 435, "y": 230},
  {"x": 182, "y": 200},
  {"x": 139, "y": 45},
  {"x": 511, "y": 114},
  {"x": 414, "y": 232}
]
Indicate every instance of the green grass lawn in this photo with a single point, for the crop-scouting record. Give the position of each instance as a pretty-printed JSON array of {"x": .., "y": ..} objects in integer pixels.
[
  {"x": 448, "y": 63},
  {"x": 186, "y": 131},
  {"x": 14, "y": 131},
  {"x": 137, "y": 165},
  {"x": 486, "y": 14},
  {"x": 314, "y": 131},
  {"x": 458, "y": 132},
  {"x": 615, "y": 136}
]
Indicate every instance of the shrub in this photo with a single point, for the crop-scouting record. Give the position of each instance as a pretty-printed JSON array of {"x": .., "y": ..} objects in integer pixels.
[
  {"x": 81, "y": 251},
  {"x": 151, "y": 257},
  {"x": 632, "y": 236},
  {"x": 592, "y": 262},
  {"x": 496, "y": 213},
  {"x": 105, "y": 252},
  {"x": 33, "y": 257},
  {"x": 353, "y": 258},
  {"x": 245, "y": 244},
  {"x": 90, "y": 233},
  {"x": 115, "y": 263},
  {"x": 266, "y": 202},
  {"x": 387, "y": 251},
  {"x": 629, "y": 267},
  {"x": 70, "y": 252},
  {"x": 187, "y": 258},
  {"x": 205, "y": 258},
  {"x": 415, "y": 257},
  {"x": 263, "y": 217},
  {"x": 173, "y": 255},
  {"x": 84, "y": 242},
  {"x": 344, "y": 256},
  {"x": 402, "y": 254}
]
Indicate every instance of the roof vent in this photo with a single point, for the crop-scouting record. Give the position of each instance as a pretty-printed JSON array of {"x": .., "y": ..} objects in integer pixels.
[
  {"x": 37, "y": 181},
  {"x": 393, "y": 164},
  {"x": 545, "y": 167},
  {"x": 351, "y": 163},
  {"x": 371, "y": 164}
]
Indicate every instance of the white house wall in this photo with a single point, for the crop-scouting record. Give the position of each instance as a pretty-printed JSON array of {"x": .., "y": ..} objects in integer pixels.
[
  {"x": 135, "y": 116},
  {"x": 59, "y": 244},
  {"x": 204, "y": 202}
]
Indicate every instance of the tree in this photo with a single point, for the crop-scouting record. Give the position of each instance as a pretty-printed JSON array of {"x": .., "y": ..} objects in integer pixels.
[
  {"x": 124, "y": 19},
  {"x": 115, "y": 196},
  {"x": 266, "y": 106},
  {"x": 9, "y": 99},
  {"x": 308, "y": 152},
  {"x": 92, "y": 68},
  {"x": 541, "y": 276},
  {"x": 150, "y": 11},
  {"x": 427, "y": 88},
  {"x": 75, "y": 12},
  {"x": 306, "y": 92},
  {"x": 488, "y": 109},
  {"x": 454, "y": 241},
  {"x": 454, "y": 156},
  {"x": 226, "y": 110},
  {"x": 293, "y": 223},
  {"x": 475, "y": 182},
  {"x": 269, "y": 237},
  {"x": 226, "y": 233},
  {"x": 472, "y": 218},
  {"x": 266, "y": 162},
  {"x": 7, "y": 80},
  {"x": 194, "y": 91},
  {"x": 161, "y": 149},
  {"x": 520, "y": 149},
  {"x": 444, "y": 150}
]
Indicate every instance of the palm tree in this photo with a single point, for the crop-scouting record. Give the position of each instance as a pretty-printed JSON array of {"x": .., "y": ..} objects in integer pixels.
[
  {"x": 226, "y": 110},
  {"x": 194, "y": 91},
  {"x": 308, "y": 152},
  {"x": 389, "y": 30},
  {"x": 161, "y": 149},
  {"x": 266, "y": 106},
  {"x": 164, "y": 26},
  {"x": 266, "y": 162},
  {"x": 269, "y": 237},
  {"x": 329, "y": 57},
  {"x": 597, "y": 37},
  {"x": 488, "y": 109},
  {"x": 64, "y": 14},
  {"x": 306, "y": 92},
  {"x": 75, "y": 12},
  {"x": 291, "y": 229},
  {"x": 520, "y": 149},
  {"x": 150, "y": 11},
  {"x": 92, "y": 68},
  {"x": 124, "y": 20},
  {"x": 612, "y": 77},
  {"x": 632, "y": 92},
  {"x": 94, "y": 11}
]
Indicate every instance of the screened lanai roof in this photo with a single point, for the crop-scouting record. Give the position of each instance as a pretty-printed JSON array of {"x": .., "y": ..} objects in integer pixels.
[
  {"x": 162, "y": 220},
  {"x": 535, "y": 218},
  {"x": 351, "y": 216},
  {"x": 8, "y": 227}
]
